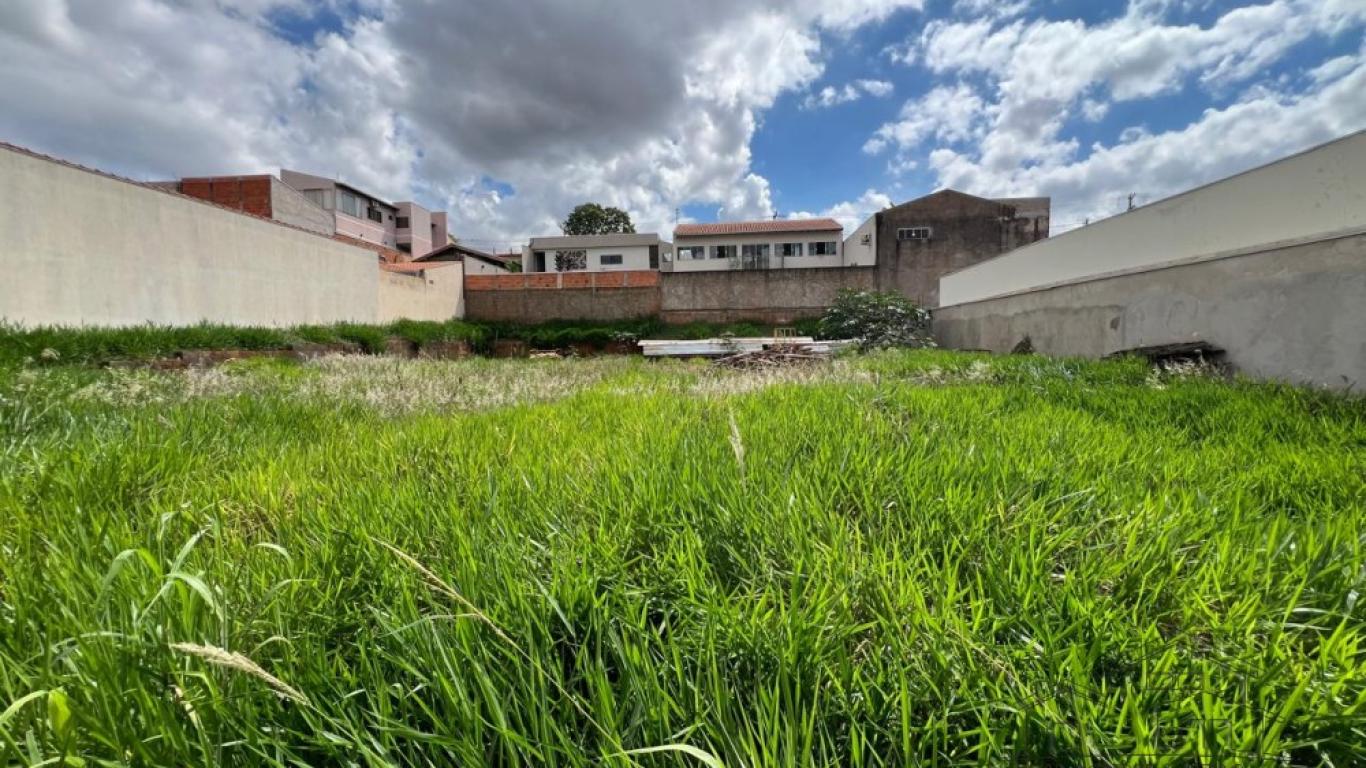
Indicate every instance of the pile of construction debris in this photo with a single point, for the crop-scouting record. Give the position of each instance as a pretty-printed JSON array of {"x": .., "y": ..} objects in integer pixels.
[{"x": 776, "y": 356}]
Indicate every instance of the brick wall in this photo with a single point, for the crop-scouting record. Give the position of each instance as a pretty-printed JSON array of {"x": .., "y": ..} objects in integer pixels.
[
  {"x": 537, "y": 297},
  {"x": 771, "y": 296},
  {"x": 244, "y": 193}
]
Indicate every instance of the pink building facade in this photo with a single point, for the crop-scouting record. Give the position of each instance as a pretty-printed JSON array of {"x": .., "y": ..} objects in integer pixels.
[{"x": 407, "y": 227}]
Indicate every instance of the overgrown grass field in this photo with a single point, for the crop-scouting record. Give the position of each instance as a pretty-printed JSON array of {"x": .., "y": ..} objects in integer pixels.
[{"x": 908, "y": 558}]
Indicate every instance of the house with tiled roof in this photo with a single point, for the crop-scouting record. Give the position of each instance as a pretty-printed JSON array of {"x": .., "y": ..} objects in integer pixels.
[{"x": 769, "y": 244}]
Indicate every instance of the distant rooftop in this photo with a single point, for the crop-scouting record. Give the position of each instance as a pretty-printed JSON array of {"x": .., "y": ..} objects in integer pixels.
[{"x": 758, "y": 227}]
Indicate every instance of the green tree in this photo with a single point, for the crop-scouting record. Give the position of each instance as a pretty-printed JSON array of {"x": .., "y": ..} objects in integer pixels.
[{"x": 594, "y": 219}]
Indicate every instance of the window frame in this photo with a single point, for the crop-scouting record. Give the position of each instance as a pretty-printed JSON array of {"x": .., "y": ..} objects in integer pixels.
[
  {"x": 913, "y": 234},
  {"x": 603, "y": 260},
  {"x": 349, "y": 203},
  {"x": 823, "y": 248}
]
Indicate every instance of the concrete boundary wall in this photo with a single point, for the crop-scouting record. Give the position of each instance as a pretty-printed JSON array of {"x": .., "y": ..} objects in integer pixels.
[
  {"x": 433, "y": 293},
  {"x": 768, "y": 295},
  {"x": 79, "y": 247},
  {"x": 1293, "y": 312},
  {"x": 1315, "y": 193},
  {"x": 771, "y": 295}
]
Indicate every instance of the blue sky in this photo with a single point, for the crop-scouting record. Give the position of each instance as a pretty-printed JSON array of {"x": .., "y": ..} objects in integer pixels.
[
  {"x": 812, "y": 163},
  {"x": 507, "y": 115}
]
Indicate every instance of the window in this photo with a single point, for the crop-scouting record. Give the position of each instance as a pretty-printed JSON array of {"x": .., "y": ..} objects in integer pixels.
[
  {"x": 723, "y": 252},
  {"x": 375, "y": 215},
  {"x": 789, "y": 249},
  {"x": 754, "y": 256},
  {"x": 315, "y": 196},
  {"x": 692, "y": 252},
  {"x": 914, "y": 233},
  {"x": 824, "y": 248},
  {"x": 402, "y": 222},
  {"x": 348, "y": 203},
  {"x": 609, "y": 260}
]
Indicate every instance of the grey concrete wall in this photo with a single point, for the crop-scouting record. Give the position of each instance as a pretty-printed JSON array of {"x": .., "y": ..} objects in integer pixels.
[
  {"x": 1315, "y": 193},
  {"x": 534, "y": 306},
  {"x": 291, "y": 207},
  {"x": 769, "y": 295},
  {"x": 82, "y": 248},
  {"x": 1295, "y": 313},
  {"x": 437, "y": 293}
]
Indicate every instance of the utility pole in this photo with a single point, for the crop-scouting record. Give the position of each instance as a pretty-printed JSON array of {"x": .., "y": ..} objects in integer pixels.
[{"x": 1131, "y": 200}]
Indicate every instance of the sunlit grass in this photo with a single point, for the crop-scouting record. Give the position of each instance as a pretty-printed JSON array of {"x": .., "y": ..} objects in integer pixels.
[{"x": 908, "y": 558}]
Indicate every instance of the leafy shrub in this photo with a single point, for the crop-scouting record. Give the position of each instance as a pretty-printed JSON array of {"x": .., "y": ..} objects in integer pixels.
[{"x": 877, "y": 320}]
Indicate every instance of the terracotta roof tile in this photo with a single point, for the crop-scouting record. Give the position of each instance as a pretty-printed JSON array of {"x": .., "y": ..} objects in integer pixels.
[{"x": 758, "y": 227}]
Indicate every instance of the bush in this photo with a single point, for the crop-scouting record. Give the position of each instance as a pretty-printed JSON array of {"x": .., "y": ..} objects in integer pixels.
[{"x": 877, "y": 320}]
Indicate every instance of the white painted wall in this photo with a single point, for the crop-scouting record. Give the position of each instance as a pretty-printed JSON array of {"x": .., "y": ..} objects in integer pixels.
[
  {"x": 772, "y": 239},
  {"x": 480, "y": 267},
  {"x": 436, "y": 293},
  {"x": 633, "y": 257},
  {"x": 1317, "y": 192},
  {"x": 81, "y": 248},
  {"x": 860, "y": 253}
]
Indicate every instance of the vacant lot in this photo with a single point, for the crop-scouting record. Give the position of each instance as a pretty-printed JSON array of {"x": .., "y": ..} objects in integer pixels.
[{"x": 909, "y": 558}]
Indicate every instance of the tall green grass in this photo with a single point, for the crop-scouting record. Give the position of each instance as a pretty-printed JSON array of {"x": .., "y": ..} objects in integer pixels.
[
  {"x": 926, "y": 559},
  {"x": 96, "y": 345}
]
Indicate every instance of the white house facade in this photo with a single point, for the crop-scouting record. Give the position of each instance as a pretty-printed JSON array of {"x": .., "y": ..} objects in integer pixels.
[
  {"x": 593, "y": 253},
  {"x": 778, "y": 244}
]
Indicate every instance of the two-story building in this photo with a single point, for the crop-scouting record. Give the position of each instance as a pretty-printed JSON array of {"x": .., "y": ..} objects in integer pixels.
[
  {"x": 776, "y": 244},
  {"x": 406, "y": 227}
]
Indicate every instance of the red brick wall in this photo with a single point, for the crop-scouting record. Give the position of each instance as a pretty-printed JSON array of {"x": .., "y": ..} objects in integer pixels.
[
  {"x": 244, "y": 193},
  {"x": 535, "y": 297},
  {"x": 563, "y": 281}
]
